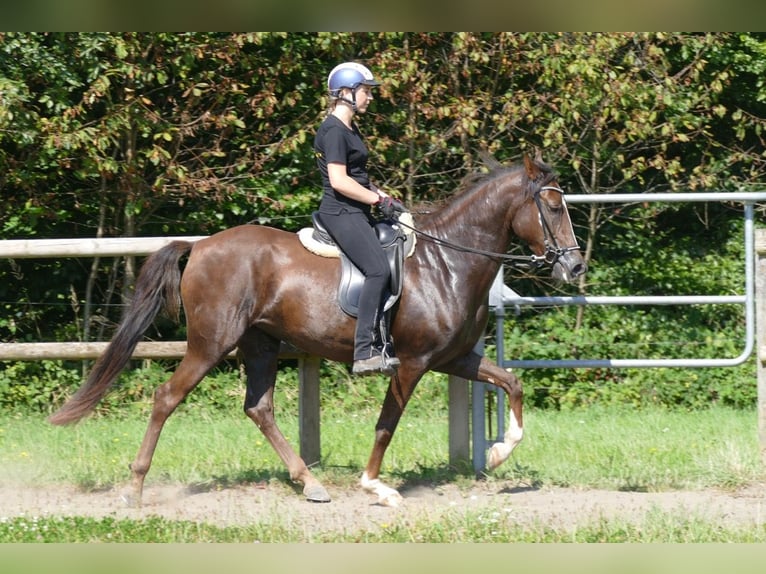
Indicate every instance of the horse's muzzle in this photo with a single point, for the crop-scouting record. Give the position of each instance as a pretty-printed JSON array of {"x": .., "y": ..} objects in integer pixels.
[{"x": 569, "y": 267}]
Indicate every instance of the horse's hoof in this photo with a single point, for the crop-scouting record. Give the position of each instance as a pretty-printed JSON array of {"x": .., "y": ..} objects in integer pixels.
[
  {"x": 130, "y": 500},
  {"x": 391, "y": 500},
  {"x": 316, "y": 493},
  {"x": 498, "y": 454}
]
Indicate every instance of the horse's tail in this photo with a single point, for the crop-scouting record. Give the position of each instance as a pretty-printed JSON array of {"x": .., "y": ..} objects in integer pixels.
[{"x": 157, "y": 286}]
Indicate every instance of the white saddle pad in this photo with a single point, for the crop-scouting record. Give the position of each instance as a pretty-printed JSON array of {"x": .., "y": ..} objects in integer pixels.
[{"x": 306, "y": 236}]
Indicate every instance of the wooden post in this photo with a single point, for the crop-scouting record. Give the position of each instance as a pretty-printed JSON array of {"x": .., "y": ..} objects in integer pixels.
[
  {"x": 760, "y": 329},
  {"x": 459, "y": 433},
  {"x": 308, "y": 409}
]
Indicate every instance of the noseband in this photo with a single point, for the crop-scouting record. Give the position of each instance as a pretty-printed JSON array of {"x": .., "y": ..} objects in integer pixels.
[{"x": 552, "y": 250}]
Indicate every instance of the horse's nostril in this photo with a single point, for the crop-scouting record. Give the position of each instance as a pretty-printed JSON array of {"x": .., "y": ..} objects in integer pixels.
[{"x": 579, "y": 269}]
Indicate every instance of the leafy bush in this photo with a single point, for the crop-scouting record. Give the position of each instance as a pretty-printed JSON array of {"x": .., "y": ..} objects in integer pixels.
[
  {"x": 617, "y": 333},
  {"x": 42, "y": 386},
  {"x": 35, "y": 386}
]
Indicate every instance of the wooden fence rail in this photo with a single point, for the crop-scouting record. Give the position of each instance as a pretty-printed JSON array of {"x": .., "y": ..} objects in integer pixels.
[
  {"x": 96, "y": 247},
  {"x": 81, "y": 351}
]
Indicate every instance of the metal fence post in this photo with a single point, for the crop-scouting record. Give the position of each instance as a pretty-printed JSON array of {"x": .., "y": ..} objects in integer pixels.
[{"x": 760, "y": 328}]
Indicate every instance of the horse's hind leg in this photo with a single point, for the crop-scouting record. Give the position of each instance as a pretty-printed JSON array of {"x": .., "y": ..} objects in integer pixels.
[
  {"x": 167, "y": 397},
  {"x": 476, "y": 368},
  {"x": 260, "y": 352}
]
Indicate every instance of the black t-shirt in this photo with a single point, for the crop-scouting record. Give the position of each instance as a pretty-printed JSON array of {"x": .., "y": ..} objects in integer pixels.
[{"x": 336, "y": 143}]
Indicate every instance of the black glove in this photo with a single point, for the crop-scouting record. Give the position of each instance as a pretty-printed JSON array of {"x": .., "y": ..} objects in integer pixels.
[{"x": 389, "y": 206}]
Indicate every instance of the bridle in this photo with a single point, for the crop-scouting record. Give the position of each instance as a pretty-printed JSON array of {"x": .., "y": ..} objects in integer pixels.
[
  {"x": 552, "y": 250},
  {"x": 550, "y": 256}
]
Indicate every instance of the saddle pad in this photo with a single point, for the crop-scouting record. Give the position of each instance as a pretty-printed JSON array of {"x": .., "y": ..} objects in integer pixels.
[{"x": 306, "y": 237}]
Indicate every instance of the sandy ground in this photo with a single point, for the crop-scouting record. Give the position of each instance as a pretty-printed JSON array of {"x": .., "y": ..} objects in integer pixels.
[{"x": 353, "y": 510}]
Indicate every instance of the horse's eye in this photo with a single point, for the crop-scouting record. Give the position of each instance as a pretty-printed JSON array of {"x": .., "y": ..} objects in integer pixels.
[
  {"x": 555, "y": 205},
  {"x": 552, "y": 200}
]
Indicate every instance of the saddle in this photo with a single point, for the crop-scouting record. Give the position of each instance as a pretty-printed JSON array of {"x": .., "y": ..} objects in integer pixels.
[{"x": 395, "y": 242}]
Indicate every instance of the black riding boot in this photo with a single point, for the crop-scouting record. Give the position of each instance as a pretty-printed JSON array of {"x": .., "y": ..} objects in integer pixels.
[{"x": 377, "y": 354}]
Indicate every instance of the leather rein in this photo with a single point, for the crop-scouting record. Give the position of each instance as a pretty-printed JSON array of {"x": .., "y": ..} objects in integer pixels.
[{"x": 552, "y": 251}]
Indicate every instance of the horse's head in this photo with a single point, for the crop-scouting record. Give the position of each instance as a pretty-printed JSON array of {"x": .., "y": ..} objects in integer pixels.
[{"x": 543, "y": 222}]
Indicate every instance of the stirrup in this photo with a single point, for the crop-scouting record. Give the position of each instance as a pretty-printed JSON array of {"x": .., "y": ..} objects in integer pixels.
[
  {"x": 390, "y": 362},
  {"x": 367, "y": 366},
  {"x": 377, "y": 363}
]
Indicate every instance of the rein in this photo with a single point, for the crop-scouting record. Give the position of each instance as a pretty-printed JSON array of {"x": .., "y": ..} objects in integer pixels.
[{"x": 552, "y": 251}]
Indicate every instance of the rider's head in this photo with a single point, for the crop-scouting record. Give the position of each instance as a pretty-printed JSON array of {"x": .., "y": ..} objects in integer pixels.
[{"x": 345, "y": 79}]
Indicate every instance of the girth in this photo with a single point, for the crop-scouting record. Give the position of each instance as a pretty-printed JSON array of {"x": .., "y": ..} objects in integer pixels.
[{"x": 395, "y": 243}]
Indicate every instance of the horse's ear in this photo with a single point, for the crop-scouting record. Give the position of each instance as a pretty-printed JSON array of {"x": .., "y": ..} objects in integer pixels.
[
  {"x": 531, "y": 167},
  {"x": 538, "y": 155}
]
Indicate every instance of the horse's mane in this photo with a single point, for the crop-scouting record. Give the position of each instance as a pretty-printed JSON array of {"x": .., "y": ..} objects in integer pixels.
[{"x": 493, "y": 169}]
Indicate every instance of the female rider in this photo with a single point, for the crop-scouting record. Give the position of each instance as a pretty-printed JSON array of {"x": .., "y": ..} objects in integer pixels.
[{"x": 345, "y": 209}]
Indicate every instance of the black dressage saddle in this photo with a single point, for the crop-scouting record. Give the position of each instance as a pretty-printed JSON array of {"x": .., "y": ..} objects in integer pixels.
[{"x": 394, "y": 242}]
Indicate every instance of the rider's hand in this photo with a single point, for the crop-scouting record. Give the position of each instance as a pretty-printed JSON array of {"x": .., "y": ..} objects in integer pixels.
[{"x": 389, "y": 206}]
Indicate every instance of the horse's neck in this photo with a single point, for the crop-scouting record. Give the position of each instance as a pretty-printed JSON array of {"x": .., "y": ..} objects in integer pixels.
[
  {"x": 479, "y": 222},
  {"x": 482, "y": 219}
]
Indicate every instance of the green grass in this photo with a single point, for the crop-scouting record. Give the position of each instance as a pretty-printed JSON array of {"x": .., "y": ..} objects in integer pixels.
[
  {"x": 657, "y": 527},
  {"x": 639, "y": 450},
  {"x": 651, "y": 450},
  {"x": 617, "y": 449},
  {"x": 225, "y": 447}
]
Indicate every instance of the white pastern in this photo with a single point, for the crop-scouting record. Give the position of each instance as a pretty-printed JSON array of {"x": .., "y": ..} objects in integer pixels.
[
  {"x": 500, "y": 451},
  {"x": 515, "y": 433},
  {"x": 387, "y": 496}
]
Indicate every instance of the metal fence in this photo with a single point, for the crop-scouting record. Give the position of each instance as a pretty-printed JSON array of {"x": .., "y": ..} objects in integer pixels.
[{"x": 508, "y": 298}]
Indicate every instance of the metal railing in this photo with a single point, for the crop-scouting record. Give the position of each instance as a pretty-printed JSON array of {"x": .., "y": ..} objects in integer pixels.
[
  {"x": 747, "y": 299},
  {"x": 508, "y": 298}
]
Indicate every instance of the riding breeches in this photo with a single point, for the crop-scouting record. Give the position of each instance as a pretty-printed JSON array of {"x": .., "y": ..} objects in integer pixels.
[{"x": 354, "y": 235}]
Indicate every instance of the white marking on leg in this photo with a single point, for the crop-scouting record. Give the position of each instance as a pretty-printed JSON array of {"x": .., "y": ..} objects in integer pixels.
[
  {"x": 515, "y": 432},
  {"x": 500, "y": 451},
  {"x": 387, "y": 496}
]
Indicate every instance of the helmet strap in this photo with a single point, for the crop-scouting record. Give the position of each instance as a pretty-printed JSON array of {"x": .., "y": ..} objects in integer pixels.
[{"x": 352, "y": 101}]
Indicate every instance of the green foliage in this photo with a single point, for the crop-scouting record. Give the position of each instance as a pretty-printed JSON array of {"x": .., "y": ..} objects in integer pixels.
[
  {"x": 40, "y": 387},
  {"x": 33, "y": 387},
  {"x": 627, "y": 333}
]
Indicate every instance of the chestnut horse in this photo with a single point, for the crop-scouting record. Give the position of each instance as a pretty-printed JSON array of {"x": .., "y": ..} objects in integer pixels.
[{"x": 253, "y": 287}]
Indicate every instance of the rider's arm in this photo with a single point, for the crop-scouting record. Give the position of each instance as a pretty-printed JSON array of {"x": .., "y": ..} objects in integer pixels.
[{"x": 343, "y": 183}]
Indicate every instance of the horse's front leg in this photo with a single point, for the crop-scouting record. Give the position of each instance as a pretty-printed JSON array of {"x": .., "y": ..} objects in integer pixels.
[
  {"x": 476, "y": 368},
  {"x": 399, "y": 392}
]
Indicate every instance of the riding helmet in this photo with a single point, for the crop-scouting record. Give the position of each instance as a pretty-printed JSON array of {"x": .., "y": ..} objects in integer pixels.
[{"x": 349, "y": 75}]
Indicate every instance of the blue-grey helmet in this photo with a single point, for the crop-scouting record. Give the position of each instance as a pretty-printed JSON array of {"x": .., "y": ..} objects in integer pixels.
[{"x": 349, "y": 75}]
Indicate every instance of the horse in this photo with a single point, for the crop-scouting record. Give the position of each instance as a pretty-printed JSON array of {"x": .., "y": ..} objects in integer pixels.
[{"x": 255, "y": 287}]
